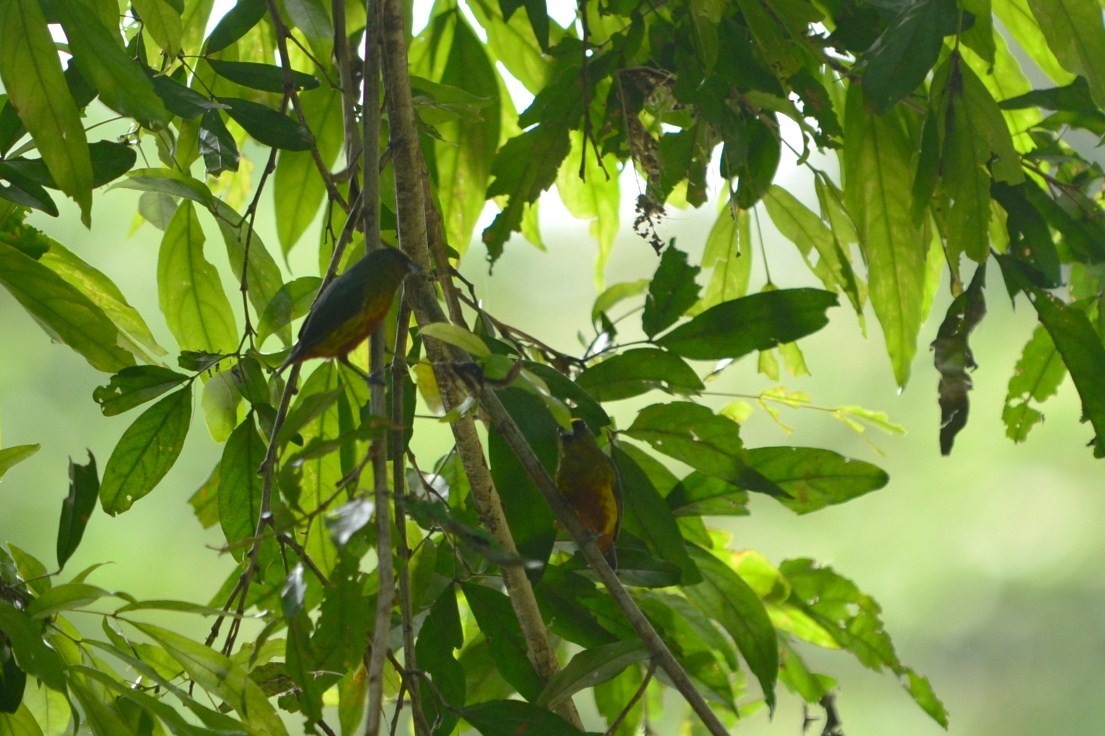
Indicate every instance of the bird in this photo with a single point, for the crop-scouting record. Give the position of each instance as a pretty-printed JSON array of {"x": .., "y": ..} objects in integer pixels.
[
  {"x": 589, "y": 480},
  {"x": 351, "y": 307}
]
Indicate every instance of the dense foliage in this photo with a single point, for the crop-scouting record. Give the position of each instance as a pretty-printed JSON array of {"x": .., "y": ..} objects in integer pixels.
[{"x": 373, "y": 581}]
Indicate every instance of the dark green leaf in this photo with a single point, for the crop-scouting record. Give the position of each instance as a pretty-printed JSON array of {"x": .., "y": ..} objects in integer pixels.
[
  {"x": 495, "y": 618},
  {"x": 84, "y": 489},
  {"x": 1082, "y": 351},
  {"x": 591, "y": 667},
  {"x": 121, "y": 82},
  {"x": 290, "y": 303},
  {"x": 671, "y": 292},
  {"x": 815, "y": 478},
  {"x": 1075, "y": 34},
  {"x": 240, "y": 485},
  {"x": 1031, "y": 258},
  {"x": 953, "y": 358},
  {"x": 13, "y": 683},
  {"x": 11, "y": 456},
  {"x": 755, "y": 322},
  {"x": 32, "y": 77},
  {"x": 268, "y": 126},
  {"x": 31, "y": 653},
  {"x": 146, "y": 451},
  {"x": 648, "y": 518},
  {"x": 567, "y": 390},
  {"x": 693, "y": 434},
  {"x": 1074, "y": 97},
  {"x": 638, "y": 371},
  {"x": 134, "y": 386},
  {"x": 516, "y": 718},
  {"x": 182, "y": 100},
  {"x": 725, "y": 597},
  {"x": 703, "y": 495},
  {"x": 1035, "y": 378},
  {"x": 440, "y": 636},
  {"x": 899, "y": 60},
  {"x": 235, "y": 24},
  {"x": 757, "y": 170},
  {"x": 220, "y": 152},
  {"x": 24, "y": 191},
  {"x": 64, "y": 312},
  {"x": 265, "y": 77},
  {"x": 525, "y": 166}
]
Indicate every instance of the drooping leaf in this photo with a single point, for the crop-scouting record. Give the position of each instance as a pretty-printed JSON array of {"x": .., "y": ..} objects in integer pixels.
[
  {"x": 312, "y": 17},
  {"x": 31, "y": 652},
  {"x": 953, "y": 358},
  {"x": 190, "y": 291},
  {"x": 591, "y": 667},
  {"x": 182, "y": 100},
  {"x": 1080, "y": 346},
  {"x": 240, "y": 485},
  {"x": 638, "y": 371},
  {"x": 84, "y": 489},
  {"x": 134, "y": 386},
  {"x": 878, "y": 171},
  {"x": 146, "y": 451},
  {"x": 724, "y": 596},
  {"x": 162, "y": 20},
  {"x": 700, "y": 494},
  {"x": 170, "y": 182},
  {"x": 815, "y": 478},
  {"x": 235, "y": 24},
  {"x": 247, "y": 251},
  {"x": 64, "y": 312},
  {"x": 441, "y": 634},
  {"x": 728, "y": 253},
  {"x": 264, "y": 77},
  {"x": 755, "y": 322},
  {"x": 496, "y": 619},
  {"x": 1075, "y": 34},
  {"x": 32, "y": 77},
  {"x": 904, "y": 54},
  {"x": 590, "y": 190},
  {"x": 269, "y": 126},
  {"x": 217, "y": 145},
  {"x": 693, "y": 434},
  {"x": 1036, "y": 377},
  {"x": 671, "y": 292}
]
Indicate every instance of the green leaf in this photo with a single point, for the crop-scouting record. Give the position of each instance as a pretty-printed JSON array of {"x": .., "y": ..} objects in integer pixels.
[
  {"x": 648, "y": 517},
  {"x": 525, "y": 166},
  {"x": 1082, "y": 351},
  {"x": 456, "y": 336},
  {"x": 134, "y": 386},
  {"x": 161, "y": 18},
  {"x": 268, "y": 126},
  {"x": 851, "y": 619},
  {"x": 591, "y": 667},
  {"x": 170, "y": 182},
  {"x": 755, "y": 322},
  {"x": 181, "y": 100},
  {"x": 725, "y": 597},
  {"x": 219, "y": 400},
  {"x": 103, "y": 292},
  {"x": 671, "y": 293},
  {"x": 757, "y": 169},
  {"x": 701, "y": 495},
  {"x": 122, "y": 84},
  {"x": 293, "y": 301},
  {"x": 220, "y": 151},
  {"x": 693, "y": 434},
  {"x": 899, "y": 60},
  {"x": 729, "y": 254},
  {"x": 62, "y": 311},
  {"x": 1075, "y": 34},
  {"x": 879, "y": 172},
  {"x": 31, "y": 652},
  {"x": 815, "y": 478},
  {"x": 495, "y": 617},
  {"x": 440, "y": 636},
  {"x": 591, "y": 193},
  {"x": 11, "y": 456},
  {"x": 64, "y": 597},
  {"x": 265, "y": 77},
  {"x": 146, "y": 451},
  {"x": 190, "y": 291},
  {"x": 638, "y": 371},
  {"x": 84, "y": 489},
  {"x": 953, "y": 358},
  {"x": 219, "y": 676},
  {"x": 516, "y": 718},
  {"x": 311, "y": 17},
  {"x": 240, "y": 485},
  {"x": 32, "y": 77},
  {"x": 1035, "y": 378},
  {"x": 262, "y": 274},
  {"x": 235, "y": 24},
  {"x": 615, "y": 294}
]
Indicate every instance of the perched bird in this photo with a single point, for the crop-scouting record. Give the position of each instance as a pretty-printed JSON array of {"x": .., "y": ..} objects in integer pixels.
[
  {"x": 351, "y": 307},
  {"x": 589, "y": 480}
]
